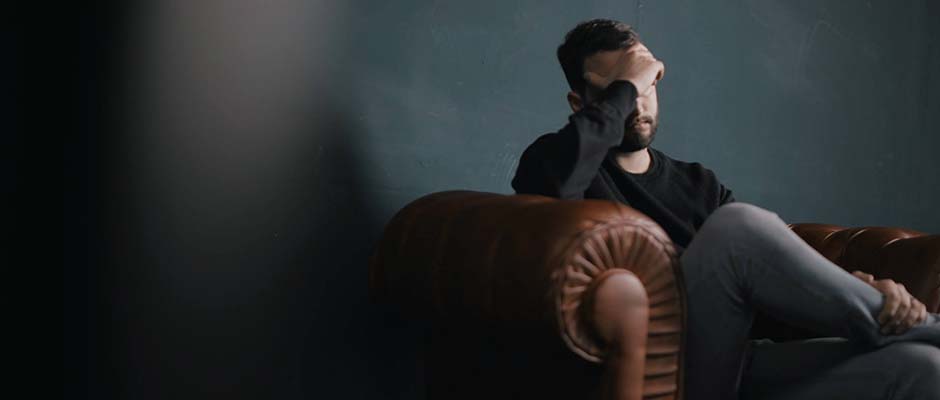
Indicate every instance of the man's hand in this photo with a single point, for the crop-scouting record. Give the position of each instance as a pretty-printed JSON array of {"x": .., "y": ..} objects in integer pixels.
[
  {"x": 635, "y": 64},
  {"x": 901, "y": 310}
]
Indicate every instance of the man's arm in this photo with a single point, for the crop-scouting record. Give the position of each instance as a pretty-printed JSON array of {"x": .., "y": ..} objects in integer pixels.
[{"x": 562, "y": 164}]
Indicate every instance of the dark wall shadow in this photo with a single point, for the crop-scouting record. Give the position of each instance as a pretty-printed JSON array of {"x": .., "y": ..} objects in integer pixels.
[
  {"x": 350, "y": 348},
  {"x": 186, "y": 285}
]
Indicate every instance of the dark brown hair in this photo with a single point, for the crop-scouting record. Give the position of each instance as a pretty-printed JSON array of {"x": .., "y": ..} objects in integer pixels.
[{"x": 587, "y": 39}]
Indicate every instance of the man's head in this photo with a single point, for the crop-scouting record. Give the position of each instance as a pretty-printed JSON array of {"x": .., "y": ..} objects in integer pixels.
[{"x": 596, "y": 46}]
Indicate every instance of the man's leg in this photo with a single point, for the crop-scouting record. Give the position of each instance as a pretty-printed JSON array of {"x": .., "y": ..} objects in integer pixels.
[
  {"x": 835, "y": 368},
  {"x": 745, "y": 258}
]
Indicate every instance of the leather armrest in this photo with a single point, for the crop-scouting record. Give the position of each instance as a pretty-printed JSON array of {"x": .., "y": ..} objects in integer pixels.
[{"x": 524, "y": 260}]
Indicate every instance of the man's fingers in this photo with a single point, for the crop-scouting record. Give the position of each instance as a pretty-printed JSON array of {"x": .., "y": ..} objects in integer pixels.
[
  {"x": 595, "y": 80},
  {"x": 901, "y": 310},
  {"x": 635, "y": 51},
  {"x": 868, "y": 278},
  {"x": 892, "y": 302},
  {"x": 922, "y": 315},
  {"x": 906, "y": 312},
  {"x": 638, "y": 48},
  {"x": 917, "y": 315},
  {"x": 896, "y": 307}
]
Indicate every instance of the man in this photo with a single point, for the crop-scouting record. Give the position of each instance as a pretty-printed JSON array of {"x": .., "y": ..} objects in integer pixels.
[{"x": 736, "y": 258}]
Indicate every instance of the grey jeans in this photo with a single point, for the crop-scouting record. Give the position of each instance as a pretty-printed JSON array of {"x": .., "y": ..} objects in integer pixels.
[{"x": 745, "y": 258}]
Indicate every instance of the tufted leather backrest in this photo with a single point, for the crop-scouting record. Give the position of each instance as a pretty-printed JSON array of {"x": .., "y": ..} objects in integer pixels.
[{"x": 906, "y": 256}]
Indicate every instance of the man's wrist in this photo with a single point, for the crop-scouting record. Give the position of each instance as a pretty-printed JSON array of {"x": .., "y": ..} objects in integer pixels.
[{"x": 621, "y": 95}]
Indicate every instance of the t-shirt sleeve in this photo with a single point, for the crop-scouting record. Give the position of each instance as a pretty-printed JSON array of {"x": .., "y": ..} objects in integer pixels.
[
  {"x": 725, "y": 195},
  {"x": 564, "y": 163}
]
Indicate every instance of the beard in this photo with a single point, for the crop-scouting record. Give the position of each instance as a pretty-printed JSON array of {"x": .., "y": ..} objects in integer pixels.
[{"x": 636, "y": 134}]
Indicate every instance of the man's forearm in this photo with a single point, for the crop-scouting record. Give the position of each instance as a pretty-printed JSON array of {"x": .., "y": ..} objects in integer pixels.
[{"x": 562, "y": 164}]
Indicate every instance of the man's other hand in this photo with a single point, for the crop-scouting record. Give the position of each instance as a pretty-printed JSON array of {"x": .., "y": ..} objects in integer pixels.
[
  {"x": 901, "y": 310},
  {"x": 635, "y": 64}
]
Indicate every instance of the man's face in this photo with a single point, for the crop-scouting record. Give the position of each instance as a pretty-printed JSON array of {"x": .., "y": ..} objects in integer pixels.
[{"x": 640, "y": 126}]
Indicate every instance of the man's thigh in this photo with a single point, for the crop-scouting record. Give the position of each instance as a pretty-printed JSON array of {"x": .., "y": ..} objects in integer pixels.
[{"x": 835, "y": 368}]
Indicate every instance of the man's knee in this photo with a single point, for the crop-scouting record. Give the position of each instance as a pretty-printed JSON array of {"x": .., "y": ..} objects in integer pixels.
[
  {"x": 733, "y": 228},
  {"x": 739, "y": 211},
  {"x": 741, "y": 219}
]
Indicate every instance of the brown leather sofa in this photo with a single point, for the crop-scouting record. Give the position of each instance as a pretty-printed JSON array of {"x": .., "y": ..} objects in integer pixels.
[{"x": 512, "y": 293}]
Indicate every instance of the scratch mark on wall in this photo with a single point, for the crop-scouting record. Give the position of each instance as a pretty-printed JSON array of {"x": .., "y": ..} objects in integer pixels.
[
  {"x": 760, "y": 19},
  {"x": 504, "y": 165},
  {"x": 638, "y": 18},
  {"x": 810, "y": 39}
]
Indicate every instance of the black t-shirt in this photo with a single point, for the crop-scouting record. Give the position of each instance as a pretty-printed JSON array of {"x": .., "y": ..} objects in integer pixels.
[
  {"x": 578, "y": 162},
  {"x": 677, "y": 195}
]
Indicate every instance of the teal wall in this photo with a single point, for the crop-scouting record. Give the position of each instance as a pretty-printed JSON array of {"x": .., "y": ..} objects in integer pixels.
[
  {"x": 254, "y": 151},
  {"x": 823, "y": 111}
]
